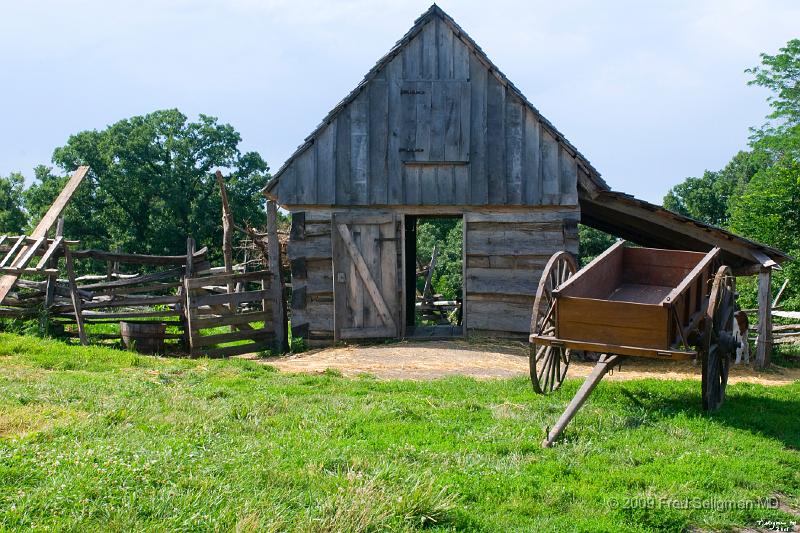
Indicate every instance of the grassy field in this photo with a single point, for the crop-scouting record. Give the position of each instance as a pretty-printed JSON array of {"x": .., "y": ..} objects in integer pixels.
[{"x": 99, "y": 439}]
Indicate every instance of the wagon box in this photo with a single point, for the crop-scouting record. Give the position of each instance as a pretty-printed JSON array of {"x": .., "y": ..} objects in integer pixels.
[
  {"x": 636, "y": 297},
  {"x": 642, "y": 302}
]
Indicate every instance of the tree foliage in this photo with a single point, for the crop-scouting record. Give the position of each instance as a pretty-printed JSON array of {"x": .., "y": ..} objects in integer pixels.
[
  {"x": 12, "y": 215},
  {"x": 446, "y": 234},
  {"x": 151, "y": 183},
  {"x": 592, "y": 242},
  {"x": 757, "y": 194}
]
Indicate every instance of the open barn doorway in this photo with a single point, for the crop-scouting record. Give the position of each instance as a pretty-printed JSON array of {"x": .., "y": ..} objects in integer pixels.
[{"x": 434, "y": 277}]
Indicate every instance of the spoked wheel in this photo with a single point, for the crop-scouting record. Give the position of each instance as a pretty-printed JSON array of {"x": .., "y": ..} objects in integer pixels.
[
  {"x": 718, "y": 340},
  {"x": 548, "y": 364}
]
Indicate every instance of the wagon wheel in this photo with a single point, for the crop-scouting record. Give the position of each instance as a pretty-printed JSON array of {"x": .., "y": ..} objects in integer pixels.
[
  {"x": 548, "y": 364},
  {"x": 718, "y": 341}
]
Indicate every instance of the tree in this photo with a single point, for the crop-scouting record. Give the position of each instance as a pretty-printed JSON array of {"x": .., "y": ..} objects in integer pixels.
[
  {"x": 151, "y": 183},
  {"x": 446, "y": 234},
  {"x": 12, "y": 215},
  {"x": 769, "y": 211},
  {"x": 592, "y": 242},
  {"x": 708, "y": 198},
  {"x": 780, "y": 73}
]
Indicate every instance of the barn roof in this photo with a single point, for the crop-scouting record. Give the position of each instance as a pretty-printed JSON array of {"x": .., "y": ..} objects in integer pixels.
[{"x": 611, "y": 211}]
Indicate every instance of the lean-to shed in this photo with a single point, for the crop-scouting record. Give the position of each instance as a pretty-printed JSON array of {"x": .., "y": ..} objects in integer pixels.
[{"x": 435, "y": 129}]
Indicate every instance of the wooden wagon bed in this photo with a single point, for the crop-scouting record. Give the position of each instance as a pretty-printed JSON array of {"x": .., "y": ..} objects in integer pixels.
[{"x": 629, "y": 301}]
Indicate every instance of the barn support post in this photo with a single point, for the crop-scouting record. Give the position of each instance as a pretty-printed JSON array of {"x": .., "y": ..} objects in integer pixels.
[
  {"x": 764, "y": 339},
  {"x": 276, "y": 282}
]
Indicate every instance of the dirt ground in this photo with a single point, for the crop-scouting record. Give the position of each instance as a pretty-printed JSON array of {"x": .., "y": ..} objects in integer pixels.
[{"x": 486, "y": 360}]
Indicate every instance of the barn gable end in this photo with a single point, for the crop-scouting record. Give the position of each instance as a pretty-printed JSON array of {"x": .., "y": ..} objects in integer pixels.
[{"x": 417, "y": 131}]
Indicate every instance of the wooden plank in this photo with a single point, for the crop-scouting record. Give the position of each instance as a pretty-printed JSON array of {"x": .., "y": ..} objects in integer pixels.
[
  {"x": 8, "y": 260},
  {"x": 412, "y": 59},
  {"x": 57, "y": 207},
  {"x": 445, "y": 185},
  {"x": 366, "y": 277},
  {"x": 496, "y": 315},
  {"x": 311, "y": 248},
  {"x": 446, "y": 59},
  {"x": 568, "y": 167},
  {"x": 287, "y": 185},
  {"x": 344, "y": 177},
  {"x": 136, "y": 280},
  {"x": 551, "y": 182},
  {"x": 531, "y": 161},
  {"x": 764, "y": 339},
  {"x": 25, "y": 258},
  {"x": 277, "y": 292},
  {"x": 693, "y": 275},
  {"x": 223, "y": 279},
  {"x": 422, "y": 143},
  {"x": 599, "y": 347},
  {"x": 370, "y": 251},
  {"x": 206, "y": 321},
  {"x": 306, "y": 169},
  {"x": 395, "y": 169},
  {"x": 429, "y": 50},
  {"x": 511, "y": 242},
  {"x": 411, "y": 179},
  {"x": 388, "y": 269},
  {"x": 599, "y": 277},
  {"x": 367, "y": 332},
  {"x": 438, "y": 120},
  {"x": 428, "y": 186},
  {"x": 326, "y": 165},
  {"x": 140, "y": 259},
  {"x": 461, "y": 59},
  {"x": 76, "y": 299},
  {"x": 235, "y": 298},
  {"x": 51, "y": 250},
  {"x": 619, "y": 323},
  {"x": 460, "y": 185},
  {"x": 355, "y": 290},
  {"x": 378, "y": 142},
  {"x": 496, "y": 166},
  {"x": 514, "y": 141},
  {"x": 359, "y": 148},
  {"x": 220, "y": 338},
  {"x": 503, "y": 281},
  {"x": 135, "y": 301},
  {"x": 479, "y": 185}
]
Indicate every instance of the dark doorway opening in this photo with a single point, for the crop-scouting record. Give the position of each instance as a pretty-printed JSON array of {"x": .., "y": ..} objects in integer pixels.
[{"x": 434, "y": 277}]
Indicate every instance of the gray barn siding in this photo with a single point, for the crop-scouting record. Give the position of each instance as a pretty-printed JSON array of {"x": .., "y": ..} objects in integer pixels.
[
  {"x": 505, "y": 253},
  {"x": 434, "y": 126}
]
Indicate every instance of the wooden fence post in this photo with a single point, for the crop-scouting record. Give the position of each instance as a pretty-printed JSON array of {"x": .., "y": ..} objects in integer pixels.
[
  {"x": 185, "y": 315},
  {"x": 276, "y": 285},
  {"x": 76, "y": 297},
  {"x": 52, "y": 279},
  {"x": 764, "y": 339}
]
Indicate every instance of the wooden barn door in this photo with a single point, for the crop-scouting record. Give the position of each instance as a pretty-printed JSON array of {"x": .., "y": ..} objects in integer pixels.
[{"x": 365, "y": 295}]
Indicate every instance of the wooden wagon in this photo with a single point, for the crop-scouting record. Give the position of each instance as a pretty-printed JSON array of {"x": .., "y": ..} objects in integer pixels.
[{"x": 632, "y": 302}]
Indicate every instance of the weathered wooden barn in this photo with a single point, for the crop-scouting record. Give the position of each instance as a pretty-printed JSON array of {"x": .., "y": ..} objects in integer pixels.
[{"x": 435, "y": 129}]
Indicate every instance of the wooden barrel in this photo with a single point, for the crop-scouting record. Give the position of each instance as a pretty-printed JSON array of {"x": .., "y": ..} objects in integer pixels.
[{"x": 144, "y": 337}]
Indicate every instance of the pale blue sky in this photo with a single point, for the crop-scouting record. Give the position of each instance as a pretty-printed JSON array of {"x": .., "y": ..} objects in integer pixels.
[{"x": 649, "y": 91}]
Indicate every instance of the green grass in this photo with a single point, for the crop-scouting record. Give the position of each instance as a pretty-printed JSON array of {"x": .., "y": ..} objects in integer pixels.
[{"x": 101, "y": 439}]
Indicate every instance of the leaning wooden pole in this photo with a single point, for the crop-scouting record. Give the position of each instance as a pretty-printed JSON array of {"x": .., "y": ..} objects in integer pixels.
[
  {"x": 276, "y": 281},
  {"x": 764, "y": 339},
  {"x": 7, "y": 281}
]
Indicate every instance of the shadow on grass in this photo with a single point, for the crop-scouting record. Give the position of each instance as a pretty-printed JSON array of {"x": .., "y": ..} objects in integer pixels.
[{"x": 764, "y": 411}]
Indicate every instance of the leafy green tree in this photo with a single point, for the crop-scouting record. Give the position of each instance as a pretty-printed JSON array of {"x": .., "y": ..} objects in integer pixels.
[
  {"x": 780, "y": 73},
  {"x": 446, "y": 234},
  {"x": 769, "y": 212},
  {"x": 12, "y": 215},
  {"x": 708, "y": 197},
  {"x": 151, "y": 183},
  {"x": 592, "y": 242}
]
